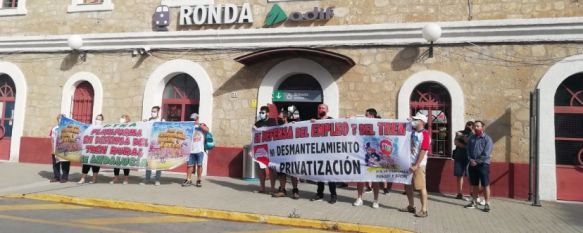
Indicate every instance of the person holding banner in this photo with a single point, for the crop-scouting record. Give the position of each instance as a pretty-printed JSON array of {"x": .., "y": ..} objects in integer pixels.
[
  {"x": 126, "y": 171},
  {"x": 265, "y": 121},
  {"x": 155, "y": 116},
  {"x": 58, "y": 164},
  {"x": 370, "y": 113},
  {"x": 420, "y": 145},
  {"x": 197, "y": 152},
  {"x": 322, "y": 115},
  {"x": 95, "y": 169},
  {"x": 288, "y": 115}
]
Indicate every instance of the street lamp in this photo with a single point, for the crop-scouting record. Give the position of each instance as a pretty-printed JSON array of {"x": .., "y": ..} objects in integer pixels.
[
  {"x": 431, "y": 33},
  {"x": 75, "y": 42}
]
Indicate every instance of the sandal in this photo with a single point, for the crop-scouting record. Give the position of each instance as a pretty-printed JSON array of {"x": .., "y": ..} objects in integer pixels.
[
  {"x": 409, "y": 209},
  {"x": 422, "y": 214}
]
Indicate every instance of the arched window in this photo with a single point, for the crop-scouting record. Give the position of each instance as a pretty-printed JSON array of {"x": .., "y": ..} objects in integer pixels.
[
  {"x": 302, "y": 91},
  {"x": 83, "y": 98},
  {"x": 7, "y": 103},
  {"x": 433, "y": 100},
  {"x": 181, "y": 98},
  {"x": 569, "y": 121}
]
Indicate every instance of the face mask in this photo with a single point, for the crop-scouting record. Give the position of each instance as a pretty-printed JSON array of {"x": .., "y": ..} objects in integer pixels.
[
  {"x": 98, "y": 122},
  {"x": 414, "y": 124},
  {"x": 322, "y": 114},
  {"x": 262, "y": 116},
  {"x": 479, "y": 132},
  {"x": 122, "y": 120},
  {"x": 154, "y": 114}
]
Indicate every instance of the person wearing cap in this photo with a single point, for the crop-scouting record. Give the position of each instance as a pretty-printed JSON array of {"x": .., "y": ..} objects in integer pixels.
[
  {"x": 420, "y": 145},
  {"x": 197, "y": 152}
]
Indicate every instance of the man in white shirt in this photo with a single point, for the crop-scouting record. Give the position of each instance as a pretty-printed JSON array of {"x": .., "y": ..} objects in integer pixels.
[{"x": 197, "y": 152}]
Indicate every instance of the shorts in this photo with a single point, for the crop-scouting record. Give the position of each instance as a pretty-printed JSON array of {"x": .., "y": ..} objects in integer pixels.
[
  {"x": 460, "y": 167},
  {"x": 195, "y": 159},
  {"x": 419, "y": 178},
  {"x": 479, "y": 174}
]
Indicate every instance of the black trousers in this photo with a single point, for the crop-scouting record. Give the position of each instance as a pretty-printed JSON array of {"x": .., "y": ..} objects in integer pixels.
[
  {"x": 331, "y": 187},
  {"x": 61, "y": 169},
  {"x": 85, "y": 169},
  {"x": 126, "y": 171}
]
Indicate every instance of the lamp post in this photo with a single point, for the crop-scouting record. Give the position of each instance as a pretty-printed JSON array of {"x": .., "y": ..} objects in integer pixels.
[{"x": 431, "y": 33}]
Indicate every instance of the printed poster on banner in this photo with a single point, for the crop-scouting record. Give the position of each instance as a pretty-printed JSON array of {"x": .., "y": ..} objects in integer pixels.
[
  {"x": 69, "y": 139},
  {"x": 152, "y": 145},
  {"x": 338, "y": 150},
  {"x": 170, "y": 144},
  {"x": 117, "y": 145}
]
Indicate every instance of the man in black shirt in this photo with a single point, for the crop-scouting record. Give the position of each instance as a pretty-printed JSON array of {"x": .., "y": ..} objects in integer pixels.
[
  {"x": 323, "y": 114},
  {"x": 265, "y": 121}
]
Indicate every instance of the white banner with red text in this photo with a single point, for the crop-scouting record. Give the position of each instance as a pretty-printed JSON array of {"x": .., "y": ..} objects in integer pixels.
[{"x": 338, "y": 150}]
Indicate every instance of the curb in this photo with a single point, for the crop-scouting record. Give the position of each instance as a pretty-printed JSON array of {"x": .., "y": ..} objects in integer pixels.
[{"x": 209, "y": 213}]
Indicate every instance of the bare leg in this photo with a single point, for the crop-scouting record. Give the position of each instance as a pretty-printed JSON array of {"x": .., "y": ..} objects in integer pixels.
[
  {"x": 199, "y": 173},
  {"x": 272, "y": 179},
  {"x": 189, "y": 172},
  {"x": 423, "y": 199},
  {"x": 375, "y": 190},
  {"x": 409, "y": 191},
  {"x": 487, "y": 194},
  {"x": 460, "y": 184},
  {"x": 262, "y": 176},
  {"x": 359, "y": 189},
  {"x": 294, "y": 182}
]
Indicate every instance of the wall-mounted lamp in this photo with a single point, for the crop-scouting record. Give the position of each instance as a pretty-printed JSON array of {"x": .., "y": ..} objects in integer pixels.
[
  {"x": 75, "y": 43},
  {"x": 431, "y": 33}
]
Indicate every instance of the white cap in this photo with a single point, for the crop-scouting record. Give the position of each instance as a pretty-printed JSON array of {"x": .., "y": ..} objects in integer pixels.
[
  {"x": 421, "y": 117},
  {"x": 194, "y": 116}
]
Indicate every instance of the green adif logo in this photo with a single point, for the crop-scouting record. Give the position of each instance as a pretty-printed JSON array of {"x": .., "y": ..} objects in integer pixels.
[{"x": 275, "y": 16}]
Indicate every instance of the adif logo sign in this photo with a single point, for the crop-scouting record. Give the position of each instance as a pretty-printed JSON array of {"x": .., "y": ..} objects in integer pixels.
[
  {"x": 216, "y": 14},
  {"x": 276, "y": 15}
]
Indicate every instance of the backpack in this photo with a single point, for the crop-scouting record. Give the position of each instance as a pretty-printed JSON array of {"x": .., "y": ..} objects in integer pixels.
[{"x": 209, "y": 142}]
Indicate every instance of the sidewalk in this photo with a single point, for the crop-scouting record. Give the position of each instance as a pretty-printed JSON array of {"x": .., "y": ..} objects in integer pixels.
[{"x": 445, "y": 213}]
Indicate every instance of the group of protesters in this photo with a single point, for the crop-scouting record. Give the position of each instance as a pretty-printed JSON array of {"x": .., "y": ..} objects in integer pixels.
[
  {"x": 195, "y": 159},
  {"x": 471, "y": 157}
]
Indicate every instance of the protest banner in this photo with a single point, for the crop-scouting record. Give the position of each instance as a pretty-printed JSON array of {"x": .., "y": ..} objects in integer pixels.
[
  {"x": 152, "y": 145},
  {"x": 338, "y": 150}
]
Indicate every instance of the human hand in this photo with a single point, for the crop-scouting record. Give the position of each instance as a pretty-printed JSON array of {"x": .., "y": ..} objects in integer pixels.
[
  {"x": 414, "y": 168},
  {"x": 473, "y": 163}
]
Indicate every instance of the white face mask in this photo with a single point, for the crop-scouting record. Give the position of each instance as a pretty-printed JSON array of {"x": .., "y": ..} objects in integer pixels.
[
  {"x": 122, "y": 120},
  {"x": 414, "y": 124},
  {"x": 154, "y": 114},
  {"x": 262, "y": 116},
  {"x": 98, "y": 122}
]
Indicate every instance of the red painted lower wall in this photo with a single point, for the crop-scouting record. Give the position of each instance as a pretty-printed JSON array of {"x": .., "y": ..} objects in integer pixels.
[
  {"x": 507, "y": 179},
  {"x": 569, "y": 183},
  {"x": 35, "y": 150}
]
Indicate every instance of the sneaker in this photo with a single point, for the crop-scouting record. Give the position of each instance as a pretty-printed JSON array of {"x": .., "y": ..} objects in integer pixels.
[
  {"x": 459, "y": 196},
  {"x": 63, "y": 181},
  {"x": 186, "y": 183},
  {"x": 157, "y": 183},
  {"x": 125, "y": 182},
  {"x": 375, "y": 205},
  {"x": 143, "y": 183},
  {"x": 358, "y": 202},
  {"x": 295, "y": 194},
  {"x": 409, "y": 209},
  {"x": 471, "y": 205},
  {"x": 317, "y": 198},
  {"x": 55, "y": 180},
  {"x": 421, "y": 214},
  {"x": 481, "y": 201},
  {"x": 385, "y": 191},
  {"x": 368, "y": 190},
  {"x": 81, "y": 181},
  {"x": 487, "y": 208},
  {"x": 198, "y": 183},
  {"x": 112, "y": 182},
  {"x": 333, "y": 200},
  {"x": 280, "y": 193}
]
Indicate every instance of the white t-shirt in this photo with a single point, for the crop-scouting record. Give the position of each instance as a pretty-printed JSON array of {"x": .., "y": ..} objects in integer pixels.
[
  {"x": 54, "y": 137},
  {"x": 197, "y": 140},
  {"x": 420, "y": 140}
]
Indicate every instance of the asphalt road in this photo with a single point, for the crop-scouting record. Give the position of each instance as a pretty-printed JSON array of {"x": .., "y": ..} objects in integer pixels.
[{"x": 29, "y": 216}]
